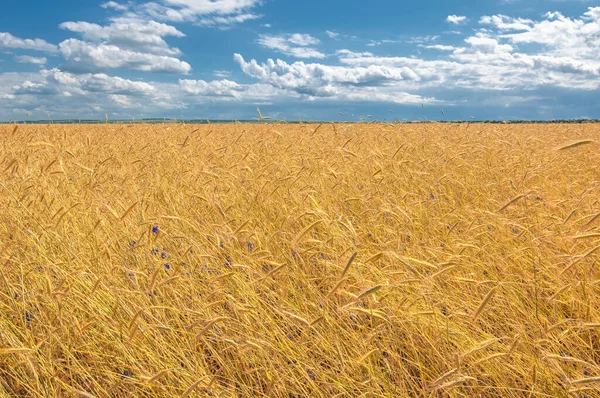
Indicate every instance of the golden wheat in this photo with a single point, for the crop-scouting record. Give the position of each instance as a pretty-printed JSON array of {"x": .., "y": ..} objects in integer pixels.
[{"x": 380, "y": 260}]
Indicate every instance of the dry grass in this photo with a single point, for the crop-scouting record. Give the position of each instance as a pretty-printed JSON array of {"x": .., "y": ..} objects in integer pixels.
[{"x": 357, "y": 260}]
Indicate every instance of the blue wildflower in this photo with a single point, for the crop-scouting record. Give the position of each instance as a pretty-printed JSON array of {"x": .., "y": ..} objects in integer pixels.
[
  {"x": 155, "y": 229},
  {"x": 311, "y": 374},
  {"x": 155, "y": 251},
  {"x": 431, "y": 195},
  {"x": 28, "y": 317},
  {"x": 250, "y": 246},
  {"x": 167, "y": 266},
  {"x": 132, "y": 243}
]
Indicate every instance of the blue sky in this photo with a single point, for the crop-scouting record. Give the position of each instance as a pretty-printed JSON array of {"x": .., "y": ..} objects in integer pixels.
[{"x": 319, "y": 60}]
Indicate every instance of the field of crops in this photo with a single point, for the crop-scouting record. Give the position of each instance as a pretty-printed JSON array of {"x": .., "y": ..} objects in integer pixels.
[{"x": 374, "y": 260}]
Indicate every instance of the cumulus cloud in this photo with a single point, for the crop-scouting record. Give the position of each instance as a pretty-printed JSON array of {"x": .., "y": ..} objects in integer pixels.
[
  {"x": 295, "y": 45},
  {"x": 229, "y": 91},
  {"x": 456, "y": 19},
  {"x": 577, "y": 38},
  {"x": 83, "y": 95},
  {"x": 318, "y": 81},
  {"x": 130, "y": 34},
  {"x": 439, "y": 47},
  {"x": 491, "y": 59},
  {"x": 9, "y": 41},
  {"x": 215, "y": 88},
  {"x": 205, "y": 12},
  {"x": 56, "y": 81},
  {"x": 115, "y": 6},
  {"x": 111, "y": 56},
  {"x": 27, "y": 59}
]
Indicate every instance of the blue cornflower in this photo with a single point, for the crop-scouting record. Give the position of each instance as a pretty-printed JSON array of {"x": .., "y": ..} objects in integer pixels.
[
  {"x": 155, "y": 229},
  {"x": 228, "y": 262},
  {"x": 250, "y": 246},
  {"x": 28, "y": 317},
  {"x": 164, "y": 255},
  {"x": 431, "y": 195},
  {"x": 311, "y": 374},
  {"x": 132, "y": 243},
  {"x": 167, "y": 266},
  {"x": 155, "y": 251}
]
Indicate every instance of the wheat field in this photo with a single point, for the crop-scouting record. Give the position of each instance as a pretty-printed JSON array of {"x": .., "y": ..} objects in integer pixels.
[{"x": 277, "y": 260}]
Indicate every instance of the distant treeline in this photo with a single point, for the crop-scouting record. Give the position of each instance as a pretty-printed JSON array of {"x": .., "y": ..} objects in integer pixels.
[{"x": 254, "y": 121}]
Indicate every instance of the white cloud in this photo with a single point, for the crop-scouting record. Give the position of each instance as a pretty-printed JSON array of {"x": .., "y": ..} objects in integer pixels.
[
  {"x": 423, "y": 39},
  {"x": 204, "y": 12},
  {"x": 480, "y": 42},
  {"x": 295, "y": 45},
  {"x": 332, "y": 35},
  {"x": 303, "y": 40},
  {"x": 111, "y": 56},
  {"x": 224, "y": 22},
  {"x": 318, "y": 81},
  {"x": 503, "y": 22},
  {"x": 129, "y": 34},
  {"x": 55, "y": 80},
  {"x": 219, "y": 88},
  {"x": 229, "y": 91},
  {"x": 576, "y": 38},
  {"x": 26, "y": 59},
  {"x": 221, "y": 73},
  {"x": 344, "y": 53},
  {"x": 9, "y": 41},
  {"x": 439, "y": 47},
  {"x": 115, "y": 6},
  {"x": 83, "y": 95},
  {"x": 456, "y": 19}
]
